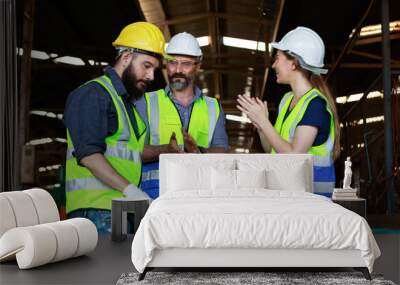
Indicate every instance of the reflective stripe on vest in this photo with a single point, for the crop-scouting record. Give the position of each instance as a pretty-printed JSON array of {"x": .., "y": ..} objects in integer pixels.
[
  {"x": 324, "y": 172},
  {"x": 123, "y": 150},
  {"x": 204, "y": 109},
  {"x": 171, "y": 121}
]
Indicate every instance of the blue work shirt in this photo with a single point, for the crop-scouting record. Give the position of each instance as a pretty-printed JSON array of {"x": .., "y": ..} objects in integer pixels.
[
  {"x": 220, "y": 137},
  {"x": 90, "y": 115}
]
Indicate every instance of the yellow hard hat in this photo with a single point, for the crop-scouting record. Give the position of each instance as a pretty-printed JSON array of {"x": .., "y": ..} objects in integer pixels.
[{"x": 142, "y": 37}]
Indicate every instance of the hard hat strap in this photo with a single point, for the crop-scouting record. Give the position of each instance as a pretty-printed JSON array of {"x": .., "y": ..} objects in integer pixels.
[{"x": 303, "y": 64}]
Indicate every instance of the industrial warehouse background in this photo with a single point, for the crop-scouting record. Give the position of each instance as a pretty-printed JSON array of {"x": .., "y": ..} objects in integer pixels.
[{"x": 49, "y": 48}]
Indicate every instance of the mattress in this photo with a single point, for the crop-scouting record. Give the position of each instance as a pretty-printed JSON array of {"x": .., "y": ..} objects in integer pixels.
[{"x": 251, "y": 219}]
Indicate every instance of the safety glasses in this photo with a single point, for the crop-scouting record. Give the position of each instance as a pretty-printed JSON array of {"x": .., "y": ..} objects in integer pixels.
[{"x": 186, "y": 64}]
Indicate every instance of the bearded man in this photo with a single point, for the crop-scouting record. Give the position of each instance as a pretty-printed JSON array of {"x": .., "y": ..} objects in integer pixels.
[
  {"x": 105, "y": 133},
  {"x": 180, "y": 118}
]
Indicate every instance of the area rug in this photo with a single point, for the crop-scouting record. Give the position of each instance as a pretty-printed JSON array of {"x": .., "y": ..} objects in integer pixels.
[{"x": 243, "y": 278}]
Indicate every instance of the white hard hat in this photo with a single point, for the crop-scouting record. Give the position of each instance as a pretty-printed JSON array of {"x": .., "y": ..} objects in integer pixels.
[
  {"x": 184, "y": 44},
  {"x": 307, "y": 46}
]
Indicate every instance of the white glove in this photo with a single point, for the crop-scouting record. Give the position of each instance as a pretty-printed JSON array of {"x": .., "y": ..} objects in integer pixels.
[{"x": 131, "y": 191}]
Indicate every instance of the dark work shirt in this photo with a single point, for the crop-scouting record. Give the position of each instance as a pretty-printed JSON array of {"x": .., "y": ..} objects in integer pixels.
[
  {"x": 317, "y": 116},
  {"x": 90, "y": 115}
]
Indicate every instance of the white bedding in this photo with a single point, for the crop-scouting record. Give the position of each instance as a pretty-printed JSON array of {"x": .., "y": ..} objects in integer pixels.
[{"x": 252, "y": 218}]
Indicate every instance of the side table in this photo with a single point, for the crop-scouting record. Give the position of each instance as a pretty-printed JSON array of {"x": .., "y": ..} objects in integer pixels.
[
  {"x": 119, "y": 210},
  {"x": 357, "y": 205}
]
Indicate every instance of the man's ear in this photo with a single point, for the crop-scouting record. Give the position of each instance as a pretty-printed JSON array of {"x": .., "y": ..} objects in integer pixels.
[
  {"x": 126, "y": 58},
  {"x": 198, "y": 66}
]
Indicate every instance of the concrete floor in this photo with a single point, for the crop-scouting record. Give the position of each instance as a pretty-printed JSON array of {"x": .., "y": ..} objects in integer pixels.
[{"x": 388, "y": 263}]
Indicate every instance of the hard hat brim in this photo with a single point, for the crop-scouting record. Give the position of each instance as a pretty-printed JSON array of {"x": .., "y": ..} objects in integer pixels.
[{"x": 313, "y": 69}]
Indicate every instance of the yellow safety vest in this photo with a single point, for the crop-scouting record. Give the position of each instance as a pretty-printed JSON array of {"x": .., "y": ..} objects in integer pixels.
[
  {"x": 164, "y": 119},
  {"x": 324, "y": 171},
  {"x": 83, "y": 189}
]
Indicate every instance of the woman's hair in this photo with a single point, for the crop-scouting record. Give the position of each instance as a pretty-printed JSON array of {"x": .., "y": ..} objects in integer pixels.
[{"x": 318, "y": 82}]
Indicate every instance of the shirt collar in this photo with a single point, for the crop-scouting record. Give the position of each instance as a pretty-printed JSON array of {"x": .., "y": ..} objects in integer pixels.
[
  {"x": 116, "y": 81},
  {"x": 197, "y": 93}
]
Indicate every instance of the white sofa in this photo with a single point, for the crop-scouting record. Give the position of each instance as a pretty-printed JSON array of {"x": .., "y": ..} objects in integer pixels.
[{"x": 31, "y": 231}]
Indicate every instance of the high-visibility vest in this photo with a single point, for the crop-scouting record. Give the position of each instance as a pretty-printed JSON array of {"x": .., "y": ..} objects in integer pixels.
[
  {"x": 83, "y": 189},
  {"x": 324, "y": 171},
  {"x": 164, "y": 119}
]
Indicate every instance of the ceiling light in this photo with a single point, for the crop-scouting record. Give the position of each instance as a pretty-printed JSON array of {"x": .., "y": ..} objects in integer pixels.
[
  {"x": 203, "y": 41},
  {"x": 39, "y": 54},
  {"x": 377, "y": 29},
  {"x": 242, "y": 43},
  {"x": 69, "y": 60}
]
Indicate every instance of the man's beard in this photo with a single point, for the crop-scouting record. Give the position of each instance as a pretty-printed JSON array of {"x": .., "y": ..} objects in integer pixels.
[
  {"x": 179, "y": 85},
  {"x": 130, "y": 82}
]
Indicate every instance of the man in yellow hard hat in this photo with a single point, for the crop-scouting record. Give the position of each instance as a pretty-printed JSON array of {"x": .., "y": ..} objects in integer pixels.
[{"x": 105, "y": 133}]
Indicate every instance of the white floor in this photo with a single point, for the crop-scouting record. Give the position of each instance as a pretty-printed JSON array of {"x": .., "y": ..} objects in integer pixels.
[{"x": 389, "y": 262}]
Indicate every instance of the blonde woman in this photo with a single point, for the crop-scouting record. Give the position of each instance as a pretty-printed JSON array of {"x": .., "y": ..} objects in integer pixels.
[{"x": 307, "y": 119}]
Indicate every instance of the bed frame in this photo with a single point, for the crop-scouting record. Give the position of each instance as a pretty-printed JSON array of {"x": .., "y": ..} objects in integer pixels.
[{"x": 242, "y": 259}]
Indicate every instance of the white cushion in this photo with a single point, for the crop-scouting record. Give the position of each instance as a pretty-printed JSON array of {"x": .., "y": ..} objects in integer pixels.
[
  {"x": 183, "y": 177},
  {"x": 188, "y": 175},
  {"x": 67, "y": 240},
  {"x": 40, "y": 244},
  {"x": 87, "y": 235},
  {"x": 285, "y": 174},
  {"x": 23, "y": 208},
  {"x": 45, "y": 206},
  {"x": 32, "y": 246},
  {"x": 278, "y": 180},
  {"x": 7, "y": 218},
  {"x": 251, "y": 178},
  {"x": 223, "y": 179}
]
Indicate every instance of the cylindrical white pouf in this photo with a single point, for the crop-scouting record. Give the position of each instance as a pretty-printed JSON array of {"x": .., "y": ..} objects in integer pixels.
[
  {"x": 7, "y": 218},
  {"x": 87, "y": 235},
  {"x": 23, "y": 208},
  {"x": 67, "y": 239},
  {"x": 45, "y": 206},
  {"x": 33, "y": 246}
]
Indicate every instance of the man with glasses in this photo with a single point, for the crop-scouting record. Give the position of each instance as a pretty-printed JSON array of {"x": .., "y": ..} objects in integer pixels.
[
  {"x": 105, "y": 132},
  {"x": 180, "y": 118}
]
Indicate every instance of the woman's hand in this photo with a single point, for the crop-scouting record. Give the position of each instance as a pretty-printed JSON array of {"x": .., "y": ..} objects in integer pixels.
[{"x": 255, "y": 109}]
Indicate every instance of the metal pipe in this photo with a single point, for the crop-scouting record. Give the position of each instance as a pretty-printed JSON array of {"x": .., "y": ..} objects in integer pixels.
[
  {"x": 362, "y": 98},
  {"x": 387, "y": 98},
  {"x": 348, "y": 46}
]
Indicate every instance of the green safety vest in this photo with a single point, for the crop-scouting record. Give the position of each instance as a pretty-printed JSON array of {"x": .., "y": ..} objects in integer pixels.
[
  {"x": 164, "y": 119},
  {"x": 83, "y": 189},
  {"x": 324, "y": 172}
]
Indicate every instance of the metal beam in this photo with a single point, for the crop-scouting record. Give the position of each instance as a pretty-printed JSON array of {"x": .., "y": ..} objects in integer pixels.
[
  {"x": 387, "y": 98},
  {"x": 153, "y": 12},
  {"x": 242, "y": 18},
  {"x": 273, "y": 38},
  {"x": 237, "y": 71},
  {"x": 201, "y": 16},
  {"x": 371, "y": 56},
  {"x": 349, "y": 44},
  {"x": 214, "y": 45},
  {"x": 9, "y": 145},
  {"x": 364, "y": 65},
  {"x": 229, "y": 55},
  {"x": 207, "y": 65},
  {"x": 377, "y": 39},
  {"x": 26, "y": 74}
]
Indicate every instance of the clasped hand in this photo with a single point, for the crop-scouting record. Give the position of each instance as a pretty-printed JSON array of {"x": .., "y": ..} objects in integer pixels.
[
  {"x": 255, "y": 109},
  {"x": 190, "y": 144}
]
